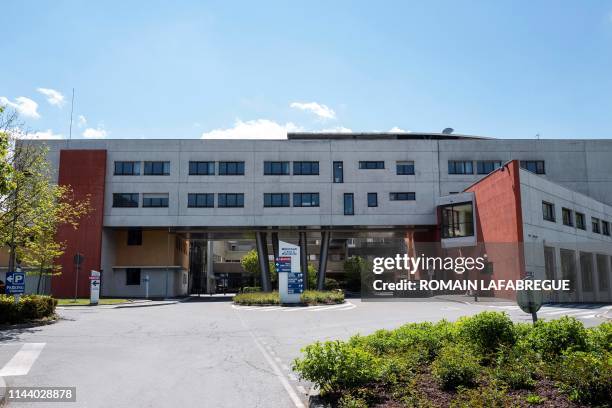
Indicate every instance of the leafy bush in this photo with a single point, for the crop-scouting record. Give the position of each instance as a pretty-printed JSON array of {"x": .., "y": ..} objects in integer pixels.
[
  {"x": 336, "y": 365},
  {"x": 487, "y": 331},
  {"x": 599, "y": 338},
  {"x": 586, "y": 377},
  {"x": 535, "y": 399},
  {"x": 456, "y": 366},
  {"x": 331, "y": 284},
  {"x": 348, "y": 401},
  {"x": 493, "y": 395},
  {"x": 29, "y": 307},
  {"x": 251, "y": 289},
  {"x": 555, "y": 336},
  {"x": 317, "y": 297},
  {"x": 516, "y": 367},
  {"x": 257, "y": 298},
  {"x": 427, "y": 337}
]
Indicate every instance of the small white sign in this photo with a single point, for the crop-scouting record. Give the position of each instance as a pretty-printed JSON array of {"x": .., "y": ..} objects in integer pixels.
[
  {"x": 288, "y": 281},
  {"x": 94, "y": 287}
]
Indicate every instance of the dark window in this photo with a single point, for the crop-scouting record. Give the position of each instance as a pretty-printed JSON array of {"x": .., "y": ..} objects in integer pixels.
[
  {"x": 305, "y": 199},
  {"x": 372, "y": 199},
  {"x": 404, "y": 167},
  {"x": 127, "y": 168},
  {"x": 134, "y": 236},
  {"x": 276, "y": 168},
  {"x": 132, "y": 276},
  {"x": 227, "y": 168},
  {"x": 201, "y": 168},
  {"x": 534, "y": 166},
  {"x": 568, "y": 217},
  {"x": 349, "y": 207},
  {"x": 157, "y": 168},
  {"x": 338, "y": 172},
  {"x": 605, "y": 227},
  {"x": 487, "y": 166},
  {"x": 372, "y": 165},
  {"x": 125, "y": 200},
  {"x": 406, "y": 196},
  {"x": 305, "y": 168},
  {"x": 457, "y": 220},
  {"x": 276, "y": 199},
  {"x": 595, "y": 225},
  {"x": 200, "y": 200},
  {"x": 460, "y": 167},
  {"x": 548, "y": 211},
  {"x": 230, "y": 200},
  {"x": 580, "y": 221},
  {"x": 155, "y": 200}
]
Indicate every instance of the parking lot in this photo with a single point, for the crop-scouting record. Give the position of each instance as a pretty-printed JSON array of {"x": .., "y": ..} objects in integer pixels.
[{"x": 207, "y": 353}]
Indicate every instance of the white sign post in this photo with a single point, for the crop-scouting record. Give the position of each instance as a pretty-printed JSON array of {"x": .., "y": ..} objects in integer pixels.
[
  {"x": 290, "y": 276},
  {"x": 94, "y": 288}
]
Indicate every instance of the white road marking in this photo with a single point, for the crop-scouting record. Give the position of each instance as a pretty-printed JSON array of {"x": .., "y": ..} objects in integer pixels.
[
  {"x": 23, "y": 360},
  {"x": 279, "y": 374},
  {"x": 324, "y": 308}
]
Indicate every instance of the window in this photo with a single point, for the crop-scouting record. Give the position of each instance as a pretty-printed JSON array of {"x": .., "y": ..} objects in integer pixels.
[
  {"x": 156, "y": 168},
  {"x": 155, "y": 200},
  {"x": 276, "y": 168},
  {"x": 127, "y": 168},
  {"x": 487, "y": 166},
  {"x": 372, "y": 199},
  {"x": 534, "y": 166},
  {"x": 125, "y": 200},
  {"x": 200, "y": 200},
  {"x": 409, "y": 196},
  {"x": 276, "y": 199},
  {"x": 404, "y": 167},
  {"x": 349, "y": 207},
  {"x": 372, "y": 165},
  {"x": 134, "y": 236},
  {"x": 132, "y": 276},
  {"x": 595, "y": 225},
  {"x": 580, "y": 222},
  {"x": 548, "y": 211},
  {"x": 201, "y": 168},
  {"x": 457, "y": 220},
  {"x": 305, "y": 168},
  {"x": 460, "y": 167},
  {"x": 605, "y": 228},
  {"x": 568, "y": 217},
  {"x": 305, "y": 199},
  {"x": 227, "y": 168},
  {"x": 230, "y": 200},
  {"x": 338, "y": 172}
]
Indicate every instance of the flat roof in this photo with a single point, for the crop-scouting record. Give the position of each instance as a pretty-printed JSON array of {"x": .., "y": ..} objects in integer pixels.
[{"x": 377, "y": 136}]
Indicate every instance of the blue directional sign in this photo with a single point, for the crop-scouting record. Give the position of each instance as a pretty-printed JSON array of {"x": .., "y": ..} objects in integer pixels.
[
  {"x": 15, "y": 283},
  {"x": 283, "y": 264},
  {"x": 295, "y": 282}
]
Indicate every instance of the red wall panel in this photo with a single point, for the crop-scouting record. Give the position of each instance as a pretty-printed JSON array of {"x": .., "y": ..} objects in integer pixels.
[{"x": 85, "y": 172}]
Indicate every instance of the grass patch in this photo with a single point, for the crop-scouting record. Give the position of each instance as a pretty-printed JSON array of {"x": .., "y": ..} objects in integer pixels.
[
  {"x": 309, "y": 297},
  {"x": 85, "y": 302},
  {"x": 484, "y": 360}
]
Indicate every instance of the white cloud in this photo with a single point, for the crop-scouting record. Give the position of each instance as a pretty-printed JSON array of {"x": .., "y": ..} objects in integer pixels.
[
  {"x": 25, "y": 106},
  {"x": 253, "y": 129},
  {"x": 81, "y": 121},
  {"x": 54, "y": 97},
  {"x": 44, "y": 134},
  {"x": 322, "y": 111},
  {"x": 95, "y": 133},
  {"x": 337, "y": 129},
  {"x": 396, "y": 129}
]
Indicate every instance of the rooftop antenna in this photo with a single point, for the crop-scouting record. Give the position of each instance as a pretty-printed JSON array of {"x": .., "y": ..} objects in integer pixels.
[
  {"x": 71, "y": 111},
  {"x": 537, "y": 136}
]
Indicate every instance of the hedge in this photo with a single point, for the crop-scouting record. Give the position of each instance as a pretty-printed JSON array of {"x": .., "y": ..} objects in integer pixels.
[
  {"x": 309, "y": 297},
  {"x": 29, "y": 307}
]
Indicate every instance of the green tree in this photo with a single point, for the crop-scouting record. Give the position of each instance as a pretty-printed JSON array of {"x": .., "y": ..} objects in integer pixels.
[
  {"x": 6, "y": 170},
  {"x": 34, "y": 207},
  {"x": 353, "y": 268}
]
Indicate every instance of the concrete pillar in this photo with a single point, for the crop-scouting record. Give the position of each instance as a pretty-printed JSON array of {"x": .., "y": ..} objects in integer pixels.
[
  {"x": 210, "y": 273},
  {"x": 264, "y": 266},
  {"x": 303, "y": 243},
  {"x": 275, "y": 244},
  {"x": 325, "y": 238}
]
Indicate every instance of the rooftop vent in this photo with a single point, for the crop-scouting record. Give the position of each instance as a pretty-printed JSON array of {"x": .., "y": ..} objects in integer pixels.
[{"x": 448, "y": 131}]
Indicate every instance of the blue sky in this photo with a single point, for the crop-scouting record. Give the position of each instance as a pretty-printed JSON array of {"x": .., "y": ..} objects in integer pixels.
[{"x": 255, "y": 69}]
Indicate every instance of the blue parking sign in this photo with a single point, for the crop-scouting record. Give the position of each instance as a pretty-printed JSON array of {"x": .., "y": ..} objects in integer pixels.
[{"x": 15, "y": 283}]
